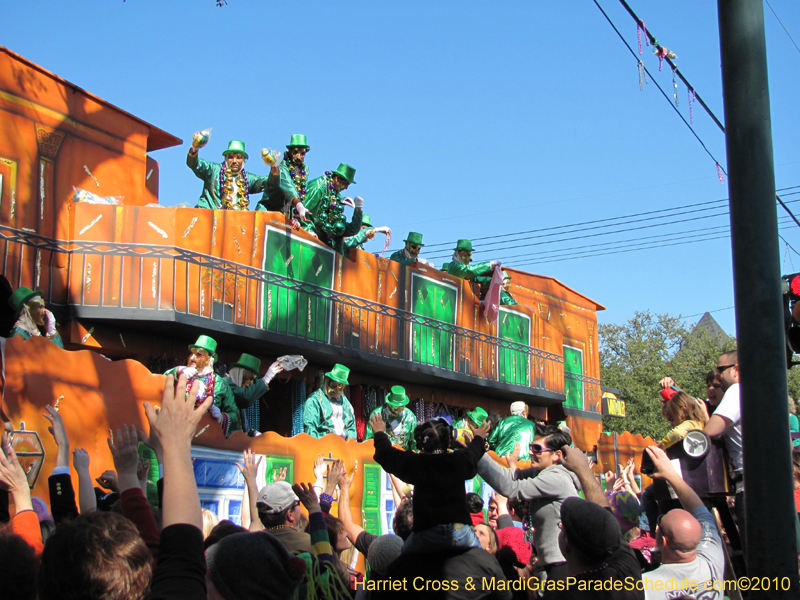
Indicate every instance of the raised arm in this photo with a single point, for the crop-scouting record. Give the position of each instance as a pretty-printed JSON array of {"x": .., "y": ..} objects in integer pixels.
[
  {"x": 576, "y": 461},
  {"x": 249, "y": 471},
  {"x": 345, "y": 513},
  {"x": 86, "y": 496}
]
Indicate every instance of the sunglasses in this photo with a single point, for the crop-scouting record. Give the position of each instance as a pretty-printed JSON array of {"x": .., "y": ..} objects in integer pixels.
[
  {"x": 724, "y": 368},
  {"x": 414, "y": 246},
  {"x": 539, "y": 449},
  {"x": 336, "y": 386}
]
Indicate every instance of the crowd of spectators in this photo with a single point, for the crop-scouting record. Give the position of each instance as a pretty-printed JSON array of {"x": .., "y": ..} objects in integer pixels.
[{"x": 549, "y": 531}]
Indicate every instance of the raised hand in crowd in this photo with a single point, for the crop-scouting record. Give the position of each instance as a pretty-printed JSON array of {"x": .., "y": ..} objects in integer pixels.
[
  {"x": 108, "y": 480},
  {"x": 377, "y": 424},
  {"x": 335, "y": 474},
  {"x": 512, "y": 458},
  {"x": 174, "y": 427},
  {"x": 577, "y": 462},
  {"x": 663, "y": 469},
  {"x": 250, "y": 471},
  {"x": 87, "y": 500},
  {"x": 483, "y": 430},
  {"x": 59, "y": 433},
  {"x": 319, "y": 474},
  {"x": 279, "y": 474},
  {"x": 125, "y": 450},
  {"x": 666, "y": 382},
  {"x": 610, "y": 478},
  {"x": 142, "y": 471},
  {"x": 308, "y": 497},
  {"x": 12, "y": 476},
  {"x": 151, "y": 442}
]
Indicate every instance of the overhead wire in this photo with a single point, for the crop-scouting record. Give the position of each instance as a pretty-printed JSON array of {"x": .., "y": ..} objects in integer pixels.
[{"x": 782, "y": 25}]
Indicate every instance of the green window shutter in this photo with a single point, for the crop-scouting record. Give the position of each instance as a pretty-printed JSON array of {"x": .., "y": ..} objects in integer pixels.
[{"x": 371, "y": 506}]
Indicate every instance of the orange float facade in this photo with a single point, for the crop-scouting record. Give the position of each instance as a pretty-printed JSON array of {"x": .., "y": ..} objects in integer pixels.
[{"x": 137, "y": 282}]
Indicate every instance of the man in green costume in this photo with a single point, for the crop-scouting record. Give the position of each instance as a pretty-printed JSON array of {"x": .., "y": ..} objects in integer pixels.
[
  {"x": 286, "y": 186},
  {"x": 506, "y": 299},
  {"x": 328, "y": 410},
  {"x": 480, "y": 273},
  {"x": 362, "y": 237},
  {"x": 200, "y": 367},
  {"x": 514, "y": 429},
  {"x": 476, "y": 417},
  {"x": 326, "y": 207},
  {"x": 226, "y": 185},
  {"x": 32, "y": 318},
  {"x": 400, "y": 421},
  {"x": 248, "y": 389},
  {"x": 410, "y": 254}
]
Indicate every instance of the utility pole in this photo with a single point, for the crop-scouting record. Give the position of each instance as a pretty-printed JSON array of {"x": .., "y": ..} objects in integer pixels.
[{"x": 771, "y": 547}]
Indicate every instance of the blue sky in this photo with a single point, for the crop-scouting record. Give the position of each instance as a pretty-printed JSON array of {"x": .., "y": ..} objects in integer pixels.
[{"x": 463, "y": 119}]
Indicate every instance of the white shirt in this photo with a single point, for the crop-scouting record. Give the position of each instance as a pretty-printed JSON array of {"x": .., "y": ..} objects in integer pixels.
[{"x": 730, "y": 408}]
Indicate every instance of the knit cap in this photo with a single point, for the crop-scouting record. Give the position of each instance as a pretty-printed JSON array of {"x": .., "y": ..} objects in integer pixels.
[
  {"x": 590, "y": 528},
  {"x": 383, "y": 552},
  {"x": 254, "y": 565}
]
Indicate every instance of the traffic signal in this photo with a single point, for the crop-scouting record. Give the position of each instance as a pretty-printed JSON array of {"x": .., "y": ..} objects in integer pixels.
[{"x": 791, "y": 316}]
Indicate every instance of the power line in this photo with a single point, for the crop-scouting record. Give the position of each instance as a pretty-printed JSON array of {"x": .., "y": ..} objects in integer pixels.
[{"x": 782, "y": 25}]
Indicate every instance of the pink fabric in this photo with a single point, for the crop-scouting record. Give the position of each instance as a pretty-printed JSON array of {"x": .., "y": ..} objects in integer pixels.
[
  {"x": 491, "y": 302},
  {"x": 514, "y": 538}
]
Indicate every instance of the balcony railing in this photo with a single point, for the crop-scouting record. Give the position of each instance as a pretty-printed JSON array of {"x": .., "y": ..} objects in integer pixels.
[{"x": 153, "y": 282}]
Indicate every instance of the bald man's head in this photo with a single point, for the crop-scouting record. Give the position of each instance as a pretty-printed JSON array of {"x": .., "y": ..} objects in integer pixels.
[{"x": 679, "y": 533}]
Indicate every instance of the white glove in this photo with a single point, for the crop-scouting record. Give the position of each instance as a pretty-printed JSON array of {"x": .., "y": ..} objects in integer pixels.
[
  {"x": 348, "y": 202},
  {"x": 188, "y": 371},
  {"x": 358, "y": 202},
  {"x": 424, "y": 261},
  {"x": 273, "y": 370},
  {"x": 50, "y": 322},
  {"x": 495, "y": 263},
  {"x": 383, "y": 230},
  {"x": 215, "y": 413},
  {"x": 302, "y": 211}
]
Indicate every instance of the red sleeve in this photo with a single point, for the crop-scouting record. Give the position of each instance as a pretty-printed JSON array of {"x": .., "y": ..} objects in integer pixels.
[
  {"x": 26, "y": 525},
  {"x": 514, "y": 537},
  {"x": 136, "y": 509}
]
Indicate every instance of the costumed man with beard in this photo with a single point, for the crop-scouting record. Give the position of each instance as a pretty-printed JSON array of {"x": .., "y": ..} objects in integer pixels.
[
  {"x": 200, "y": 367},
  {"x": 506, "y": 299},
  {"x": 400, "y": 421},
  {"x": 32, "y": 318},
  {"x": 326, "y": 206},
  {"x": 227, "y": 185},
  {"x": 514, "y": 429},
  {"x": 248, "y": 389},
  {"x": 410, "y": 254},
  {"x": 328, "y": 410},
  {"x": 286, "y": 185},
  {"x": 480, "y": 273}
]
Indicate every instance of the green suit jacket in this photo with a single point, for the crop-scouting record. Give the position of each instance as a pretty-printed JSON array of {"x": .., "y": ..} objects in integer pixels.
[
  {"x": 209, "y": 173},
  {"x": 226, "y": 403},
  {"x": 355, "y": 241},
  {"x": 506, "y": 299},
  {"x": 279, "y": 190},
  {"x": 317, "y": 414},
  {"x": 469, "y": 272},
  {"x": 400, "y": 431},
  {"x": 513, "y": 430},
  {"x": 56, "y": 339}
]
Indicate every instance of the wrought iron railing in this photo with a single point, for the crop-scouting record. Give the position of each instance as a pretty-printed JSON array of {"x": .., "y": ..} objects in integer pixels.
[
  {"x": 591, "y": 395},
  {"x": 138, "y": 281}
]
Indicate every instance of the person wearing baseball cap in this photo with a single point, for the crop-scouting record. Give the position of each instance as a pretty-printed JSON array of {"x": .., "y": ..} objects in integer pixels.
[
  {"x": 328, "y": 410},
  {"x": 400, "y": 421},
  {"x": 279, "y": 512}
]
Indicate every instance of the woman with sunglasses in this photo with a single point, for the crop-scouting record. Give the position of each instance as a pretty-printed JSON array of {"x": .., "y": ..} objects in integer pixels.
[{"x": 546, "y": 493}]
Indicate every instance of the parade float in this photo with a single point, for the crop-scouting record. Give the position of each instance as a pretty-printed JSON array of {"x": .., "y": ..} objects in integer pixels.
[{"x": 132, "y": 283}]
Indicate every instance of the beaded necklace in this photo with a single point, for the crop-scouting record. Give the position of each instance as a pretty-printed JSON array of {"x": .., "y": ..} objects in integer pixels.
[
  {"x": 226, "y": 180},
  {"x": 209, "y": 379},
  {"x": 331, "y": 216},
  {"x": 298, "y": 176}
]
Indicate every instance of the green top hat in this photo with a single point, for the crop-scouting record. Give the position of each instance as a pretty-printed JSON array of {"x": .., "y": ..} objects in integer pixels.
[
  {"x": 21, "y": 297},
  {"x": 298, "y": 141},
  {"x": 464, "y": 245},
  {"x": 346, "y": 171},
  {"x": 235, "y": 146},
  {"x": 477, "y": 416},
  {"x": 366, "y": 221},
  {"x": 414, "y": 238},
  {"x": 206, "y": 343},
  {"x": 248, "y": 362},
  {"x": 398, "y": 396},
  {"x": 339, "y": 374}
]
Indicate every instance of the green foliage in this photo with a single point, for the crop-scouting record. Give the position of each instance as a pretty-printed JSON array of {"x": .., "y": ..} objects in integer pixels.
[{"x": 635, "y": 356}]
